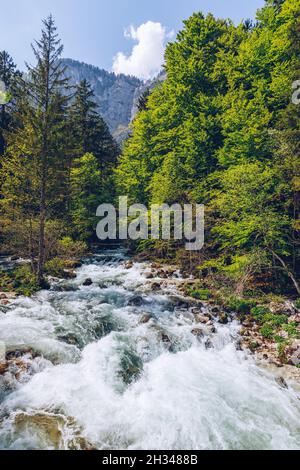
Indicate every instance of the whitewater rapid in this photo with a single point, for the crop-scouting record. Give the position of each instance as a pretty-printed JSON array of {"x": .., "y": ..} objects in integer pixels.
[{"x": 101, "y": 378}]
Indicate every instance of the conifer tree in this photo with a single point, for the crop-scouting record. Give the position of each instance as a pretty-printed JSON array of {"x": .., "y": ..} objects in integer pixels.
[{"x": 40, "y": 141}]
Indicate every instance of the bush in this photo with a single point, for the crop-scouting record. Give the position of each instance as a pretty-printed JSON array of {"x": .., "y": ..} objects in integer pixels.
[
  {"x": 259, "y": 312},
  {"x": 68, "y": 248},
  {"x": 24, "y": 281},
  {"x": 267, "y": 331},
  {"x": 242, "y": 306},
  {"x": 55, "y": 267},
  {"x": 297, "y": 304},
  {"x": 200, "y": 294},
  {"x": 293, "y": 330},
  {"x": 5, "y": 281}
]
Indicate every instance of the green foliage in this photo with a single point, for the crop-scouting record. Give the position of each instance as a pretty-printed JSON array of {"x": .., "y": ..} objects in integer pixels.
[
  {"x": 220, "y": 130},
  {"x": 293, "y": 330},
  {"x": 297, "y": 304},
  {"x": 267, "y": 331},
  {"x": 86, "y": 195},
  {"x": 241, "y": 306},
  {"x": 55, "y": 267},
  {"x": 200, "y": 294},
  {"x": 258, "y": 313},
  {"x": 263, "y": 315},
  {"x": 24, "y": 281},
  {"x": 69, "y": 248},
  {"x": 49, "y": 177}
]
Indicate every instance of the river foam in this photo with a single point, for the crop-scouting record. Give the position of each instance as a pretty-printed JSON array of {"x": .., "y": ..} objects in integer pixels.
[{"x": 120, "y": 386}]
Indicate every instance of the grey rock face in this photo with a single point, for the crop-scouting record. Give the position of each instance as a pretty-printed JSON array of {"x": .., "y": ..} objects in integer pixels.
[{"x": 116, "y": 95}]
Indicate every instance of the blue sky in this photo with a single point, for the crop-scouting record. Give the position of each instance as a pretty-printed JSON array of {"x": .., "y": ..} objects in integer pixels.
[{"x": 93, "y": 30}]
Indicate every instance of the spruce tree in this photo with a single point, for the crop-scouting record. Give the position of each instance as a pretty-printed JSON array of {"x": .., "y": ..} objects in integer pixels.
[{"x": 39, "y": 143}]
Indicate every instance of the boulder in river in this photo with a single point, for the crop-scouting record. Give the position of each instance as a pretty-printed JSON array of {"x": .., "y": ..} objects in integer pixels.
[
  {"x": 223, "y": 318},
  {"x": 155, "y": 286},
  {"x": 201, "y": 319},
  {"x": 181, "y": 302},
  {"x": 208, "y": 344},
  {"x": 128, "y": 265},
  {"x": 198, "y": 333},
  {"x": 135, "y": 301},
  {"x": 145, "y": 318},
  {"x": 149, "y": 275},
  {"x": 88, "y": 282},
  {"x": 281, "y": 382},
  {"x": 69, "y": 274}
]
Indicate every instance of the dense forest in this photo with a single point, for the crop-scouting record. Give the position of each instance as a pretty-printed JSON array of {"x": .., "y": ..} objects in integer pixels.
[
  {"x": 221, "y": 130},
  {"x": 56, "y": 165}
]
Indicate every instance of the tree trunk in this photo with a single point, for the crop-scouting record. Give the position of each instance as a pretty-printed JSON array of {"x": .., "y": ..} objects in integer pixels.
[
  {"x": 42, "y": 219},
  {"x": 288, "y": 271}
]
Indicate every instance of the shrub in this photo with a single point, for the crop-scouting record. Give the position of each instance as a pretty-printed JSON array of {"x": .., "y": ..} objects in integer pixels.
[
  {"x": 267, "y": 331},
  {"x": 259, "y": 312},
  {"x": 5, "y": 281},
  {"x": 292, "y": 329},
  {"x": 200, "y": 294},
  {"x": 55, "y": 267},
  {"x": 264, "y": 315},
  {"x": 242, "y": 306},
  {"x": 68, "y": 248},
  {"x": 24, "y": 281},
  {"x": 297, "y": 304}
]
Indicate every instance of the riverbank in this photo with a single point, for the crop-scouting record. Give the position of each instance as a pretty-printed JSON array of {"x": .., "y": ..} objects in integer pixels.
[
  {"x": 270, "y": 325},
  {"x": 120, "y": 357}
]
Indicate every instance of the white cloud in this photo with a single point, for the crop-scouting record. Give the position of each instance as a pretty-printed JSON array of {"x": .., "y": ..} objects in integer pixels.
[{"x": 147, "y": 56}]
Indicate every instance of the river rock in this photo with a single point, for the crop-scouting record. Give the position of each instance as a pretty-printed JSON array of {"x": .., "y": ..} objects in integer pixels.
[
  {"x": 212, "y": 329},
  {"x": 149, "y": 275},
  {"x": 215, "y": 309},
  {"x": 208, "y": 344},
  {"x": 3, "y": 367},
  {"x": 128, "y": 265},
  {"x": 69, "y": 274},
  {"x": 294, "y": 318},
  {"x": 180, "y": 302},
  {"x": 155, "y": 286},
  {"x": 281, "y": 382},
  {"x": 223, "y": 318},
  {"x": 88, "y": 282},
  {"x": 136, "y": 301},
  {"x": 197, "y": 332},
  {"x": 295, "y": 358},
  {"x": 145, "y": 318},
  {"x": 201, "y": 319}
]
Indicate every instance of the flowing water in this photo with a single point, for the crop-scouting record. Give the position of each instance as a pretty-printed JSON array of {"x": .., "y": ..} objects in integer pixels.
[{"x": 94, "y": 376}]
